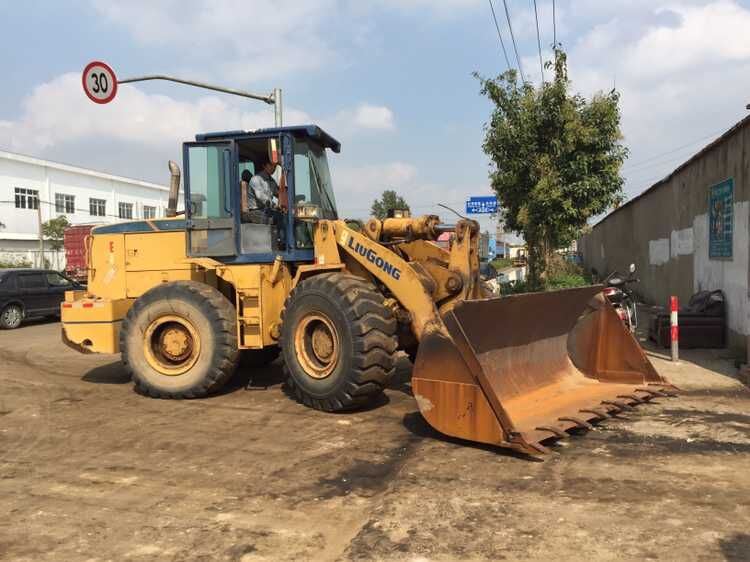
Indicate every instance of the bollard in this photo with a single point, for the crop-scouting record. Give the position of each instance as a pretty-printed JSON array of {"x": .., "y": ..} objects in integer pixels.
[{"x": 674, "y": 331}]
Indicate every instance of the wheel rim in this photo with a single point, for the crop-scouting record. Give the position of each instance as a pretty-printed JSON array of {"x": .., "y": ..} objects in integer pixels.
[
  {"x": 317, "y": 345},
  {"x": 171, "y": 345},
  {"x": 12, "y": 316}
]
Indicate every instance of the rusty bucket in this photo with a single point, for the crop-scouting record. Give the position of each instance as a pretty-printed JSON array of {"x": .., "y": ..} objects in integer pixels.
[{"x": 518, "y": 370}]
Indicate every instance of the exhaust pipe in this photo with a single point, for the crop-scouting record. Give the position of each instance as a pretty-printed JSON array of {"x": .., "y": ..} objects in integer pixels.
[{"x": 174, "y": 188}]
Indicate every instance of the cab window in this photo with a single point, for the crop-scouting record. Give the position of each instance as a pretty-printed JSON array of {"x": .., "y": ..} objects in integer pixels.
[{"x": 312, "y": 178}]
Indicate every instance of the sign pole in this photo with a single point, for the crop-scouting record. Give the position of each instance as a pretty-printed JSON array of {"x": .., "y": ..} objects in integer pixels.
[
  {"x": 674, "y": 329},
  {"x": 100, "y": 84}
]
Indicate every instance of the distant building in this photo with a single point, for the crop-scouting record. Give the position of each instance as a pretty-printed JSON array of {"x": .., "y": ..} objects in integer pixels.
[
  {"x": 688, "y": 232},
  {"x": 29, "y": 185}
]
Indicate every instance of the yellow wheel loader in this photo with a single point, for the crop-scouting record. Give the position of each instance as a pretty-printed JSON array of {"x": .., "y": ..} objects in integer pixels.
[{"x": 238, "y": 275}]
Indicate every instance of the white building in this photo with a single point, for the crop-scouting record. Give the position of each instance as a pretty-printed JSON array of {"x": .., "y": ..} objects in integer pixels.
[{"x": 30, "y": 185}]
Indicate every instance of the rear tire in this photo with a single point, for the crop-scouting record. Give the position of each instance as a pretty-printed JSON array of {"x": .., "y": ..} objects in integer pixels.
[
  {"x": 339, "y": 342},
  {"x": 179, "y": 340},
  {"x": 11, "y": 317}
]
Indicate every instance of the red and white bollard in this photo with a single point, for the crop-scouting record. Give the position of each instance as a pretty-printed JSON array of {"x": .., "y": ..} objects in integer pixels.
[{"x": 674, "y": 332}]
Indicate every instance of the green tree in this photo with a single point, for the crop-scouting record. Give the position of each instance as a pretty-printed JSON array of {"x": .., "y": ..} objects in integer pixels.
[
  {"x": 53, "y": 231},
  {"x": 389, "y": 200},
  {"x": 555, "y": 158}
]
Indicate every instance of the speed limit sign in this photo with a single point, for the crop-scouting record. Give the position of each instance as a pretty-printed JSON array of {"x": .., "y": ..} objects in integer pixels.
[{"x": 99, "y": 82}]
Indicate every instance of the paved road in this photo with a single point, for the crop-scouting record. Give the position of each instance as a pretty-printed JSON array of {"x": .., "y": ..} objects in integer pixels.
[{"x": 91, "y": 471}]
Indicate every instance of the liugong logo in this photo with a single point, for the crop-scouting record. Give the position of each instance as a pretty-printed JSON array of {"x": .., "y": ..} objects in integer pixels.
[{"x": 373, "y": 257}]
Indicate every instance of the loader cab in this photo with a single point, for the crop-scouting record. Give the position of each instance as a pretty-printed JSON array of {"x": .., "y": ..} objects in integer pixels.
[{"x": 214, "y": 166}]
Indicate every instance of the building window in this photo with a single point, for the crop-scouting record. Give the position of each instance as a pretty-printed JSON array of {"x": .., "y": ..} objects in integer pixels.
[
  {"x": 149, "y": 212},
  {"x": 27, "y": 198},
  {"x": 125, "y": 210},
  {"x": 97, "y": 207},
  {"x": 64, "y": 203}
]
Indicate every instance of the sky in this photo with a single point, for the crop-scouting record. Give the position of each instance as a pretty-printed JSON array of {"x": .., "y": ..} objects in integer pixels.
[{"x": 391, "y": 79}]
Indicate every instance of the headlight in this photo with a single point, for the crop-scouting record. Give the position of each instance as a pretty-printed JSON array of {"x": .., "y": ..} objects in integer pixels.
[{"x": 307, "y": 211}]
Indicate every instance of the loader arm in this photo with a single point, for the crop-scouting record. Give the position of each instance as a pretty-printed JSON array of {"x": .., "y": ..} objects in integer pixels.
[{"x": 396, "y": 274}]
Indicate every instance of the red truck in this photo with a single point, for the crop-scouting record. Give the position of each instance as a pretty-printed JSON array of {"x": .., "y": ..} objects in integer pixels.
[{"x": 74, "y": 242}]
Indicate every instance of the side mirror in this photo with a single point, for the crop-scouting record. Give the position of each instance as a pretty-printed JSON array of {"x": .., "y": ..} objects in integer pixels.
[{"x": 632, "y": 268}]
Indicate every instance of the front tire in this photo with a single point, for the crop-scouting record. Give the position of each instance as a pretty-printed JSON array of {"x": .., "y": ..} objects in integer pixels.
[
  {"x": 11, "y": 317},
  {"x": 338, "y": 341},
  {"x": 179, "y": 340}
]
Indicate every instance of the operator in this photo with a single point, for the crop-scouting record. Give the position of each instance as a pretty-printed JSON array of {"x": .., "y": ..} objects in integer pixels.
[{"x": 259, "y": 194}]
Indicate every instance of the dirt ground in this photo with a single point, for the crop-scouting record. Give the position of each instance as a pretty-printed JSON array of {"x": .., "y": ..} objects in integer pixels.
[{"x": 91, "y": 471}]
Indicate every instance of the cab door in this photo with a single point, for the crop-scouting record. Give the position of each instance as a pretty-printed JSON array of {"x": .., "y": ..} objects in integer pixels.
[{"x": 211, "y": 188}]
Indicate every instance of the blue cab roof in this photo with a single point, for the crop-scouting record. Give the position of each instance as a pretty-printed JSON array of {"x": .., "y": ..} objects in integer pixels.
[{"x": 310, "y": 131}]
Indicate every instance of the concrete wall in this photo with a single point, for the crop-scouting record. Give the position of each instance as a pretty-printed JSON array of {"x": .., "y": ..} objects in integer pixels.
[{"x": 665, "y": 233}]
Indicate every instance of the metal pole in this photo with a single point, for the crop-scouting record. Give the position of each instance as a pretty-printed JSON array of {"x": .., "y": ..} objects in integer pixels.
[
  {"x": 277, "y": 110},
  {"x": 267, "y": 99}
]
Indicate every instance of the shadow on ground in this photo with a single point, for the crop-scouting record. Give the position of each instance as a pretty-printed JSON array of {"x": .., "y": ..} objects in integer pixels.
[
  {"x": 111, "y": 373},
  {"x": 736, "y": 547}
]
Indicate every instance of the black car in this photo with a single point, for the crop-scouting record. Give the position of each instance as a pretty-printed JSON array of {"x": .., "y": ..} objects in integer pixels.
[{"x": 28, "y": 293}]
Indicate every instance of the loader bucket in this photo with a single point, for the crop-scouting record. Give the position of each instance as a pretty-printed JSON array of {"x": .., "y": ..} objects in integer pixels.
[{"x": 522, "y": 369}]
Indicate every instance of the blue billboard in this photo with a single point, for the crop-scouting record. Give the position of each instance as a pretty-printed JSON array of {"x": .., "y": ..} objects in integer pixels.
[
  {"x": 484, "y": 205},
  {"x": 720, "y": 227}
]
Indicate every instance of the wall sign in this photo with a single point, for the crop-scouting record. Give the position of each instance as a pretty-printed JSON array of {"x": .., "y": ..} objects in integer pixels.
[{"x": 721, "y": 219}]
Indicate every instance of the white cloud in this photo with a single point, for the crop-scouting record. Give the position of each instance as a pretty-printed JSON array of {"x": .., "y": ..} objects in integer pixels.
[
  {"x": 57, "y": 115},
  {"x": 364, "y": 117},
  {"x": 376, "y": 117},
  {"x": 243, "y": 40}
]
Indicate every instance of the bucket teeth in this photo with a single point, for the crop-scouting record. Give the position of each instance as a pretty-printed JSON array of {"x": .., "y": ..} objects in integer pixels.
[
  {"x": 600, "y": 413},
  {"x": 619, "y": 404},
  {"x": 650, "y": 393},
  {"x": 633, "y": 397},
  {"x": 553, "y": 430},
  {"x": 578, "y": 421}
]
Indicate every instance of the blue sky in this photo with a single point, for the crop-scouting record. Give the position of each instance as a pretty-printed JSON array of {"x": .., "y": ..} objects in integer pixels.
[{"x": 390, "y": 78}]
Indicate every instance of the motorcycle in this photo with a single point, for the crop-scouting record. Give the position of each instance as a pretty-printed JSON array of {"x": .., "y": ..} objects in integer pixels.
[{"x": 621, "y": 297}]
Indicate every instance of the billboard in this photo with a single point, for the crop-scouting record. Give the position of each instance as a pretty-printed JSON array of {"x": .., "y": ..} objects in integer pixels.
[{"x": 720, "y": 213}]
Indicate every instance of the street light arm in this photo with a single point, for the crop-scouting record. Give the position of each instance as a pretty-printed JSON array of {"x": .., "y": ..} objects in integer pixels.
[{"x": 269, "y": 99}]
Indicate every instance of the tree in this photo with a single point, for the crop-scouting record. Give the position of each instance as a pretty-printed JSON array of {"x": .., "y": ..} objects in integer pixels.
[
  {"x": 555, "y": 158},
  {"x": 389, "y": 200},
  {"x": 53, "y": 231}
]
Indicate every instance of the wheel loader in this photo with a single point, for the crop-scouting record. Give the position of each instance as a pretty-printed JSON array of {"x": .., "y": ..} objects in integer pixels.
[{"x": 184, "y": 297}]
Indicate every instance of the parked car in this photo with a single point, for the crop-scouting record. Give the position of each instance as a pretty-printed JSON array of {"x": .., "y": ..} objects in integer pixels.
[{"x": 30, "y": 293}]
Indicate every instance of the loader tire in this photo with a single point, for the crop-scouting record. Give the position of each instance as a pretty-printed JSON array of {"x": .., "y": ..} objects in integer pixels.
[
  {"x": 338, "y": 341},
  {"x": 179, "y": 340}
]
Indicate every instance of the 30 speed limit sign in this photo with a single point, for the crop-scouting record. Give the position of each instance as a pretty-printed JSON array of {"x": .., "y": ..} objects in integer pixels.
[{"x": 99, "y": 82}]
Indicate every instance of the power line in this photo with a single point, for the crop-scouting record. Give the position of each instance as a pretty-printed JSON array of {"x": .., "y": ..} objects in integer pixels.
[
  {"x": 640, "y": 164},
  {"x": 538, "y": 41},
  {"x": 554, "y": 26},
  {"x": 513, "y": 38},
  {"x": 499, "y": 36}
]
